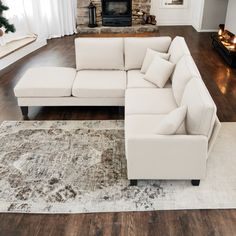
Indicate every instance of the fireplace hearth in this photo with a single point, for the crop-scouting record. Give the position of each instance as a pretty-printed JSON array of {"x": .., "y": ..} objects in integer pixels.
[{"x": 116, "y": 12}]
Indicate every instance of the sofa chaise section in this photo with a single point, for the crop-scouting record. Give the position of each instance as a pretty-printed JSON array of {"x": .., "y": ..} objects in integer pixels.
[{"x": 40, "y": 86}]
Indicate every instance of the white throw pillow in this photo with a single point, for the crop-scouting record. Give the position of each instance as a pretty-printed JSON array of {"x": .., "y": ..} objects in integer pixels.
[
  {"x": 172, "y": 122},
  {"x": 159, "y": 71},
  {"x": 150, "y": 55}
]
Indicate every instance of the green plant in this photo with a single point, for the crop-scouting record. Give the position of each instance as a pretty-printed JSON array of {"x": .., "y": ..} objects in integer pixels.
[{"x": 3, "y": 21}]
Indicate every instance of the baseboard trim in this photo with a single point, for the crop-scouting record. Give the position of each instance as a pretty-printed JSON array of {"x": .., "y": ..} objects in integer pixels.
[
  {"x": 173, "y": 24},
  {"x": 207, "y": 30},
  {"x": 204, "y": 30}
]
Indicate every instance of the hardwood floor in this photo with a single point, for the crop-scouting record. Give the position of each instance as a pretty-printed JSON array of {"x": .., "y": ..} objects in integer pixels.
[
  {"x": 157, "y": 223},
  {"x": 221, "y": 82}
]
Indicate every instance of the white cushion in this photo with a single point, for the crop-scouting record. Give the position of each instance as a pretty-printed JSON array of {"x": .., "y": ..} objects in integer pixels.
[
  {"x": 149, "y": 101},
  {"x": 201, "y": 112},
  {"x": 46, "y": 82},
  {"x": 145, "y": 124},
  {"x": 150, "y": 55},
  {"x": 136, "y": 80},
  {"x": 99, "y": 84},
  {"x": 99, "y": 53},
  {"x": 170, "y": 124},
  {"x": 185, "y": 69},
  {"x": 159, "y": 71},
  {"x": 135, "y": 49},
  {"x": 177, "y": 49}
]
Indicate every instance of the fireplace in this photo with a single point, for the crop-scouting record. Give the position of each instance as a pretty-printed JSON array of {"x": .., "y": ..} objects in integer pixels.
[
  {"x": 116, "y": 12},
  {"x": 125, "y": 14},
  {"x": 225, "y": 43}
]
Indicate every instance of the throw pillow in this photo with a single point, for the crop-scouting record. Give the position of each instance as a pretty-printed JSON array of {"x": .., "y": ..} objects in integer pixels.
[
  {"x": 159, "y": 71},
  {"x": 172, "y": 122},
  {"x": 150, "y": 54}
]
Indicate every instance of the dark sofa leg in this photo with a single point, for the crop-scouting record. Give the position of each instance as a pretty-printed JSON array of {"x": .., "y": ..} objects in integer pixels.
[
  {"x": 133, "y": 182},
  {"x": 24, "y": 111},
  {"x": 195, "y": 182}
]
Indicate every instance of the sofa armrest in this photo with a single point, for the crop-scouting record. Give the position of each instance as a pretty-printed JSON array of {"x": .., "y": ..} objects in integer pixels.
[{"x": 166, "y": 156}]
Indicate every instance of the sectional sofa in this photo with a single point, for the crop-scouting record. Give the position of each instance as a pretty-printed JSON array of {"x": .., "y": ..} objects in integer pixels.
[{"x": 108, "y": 73}]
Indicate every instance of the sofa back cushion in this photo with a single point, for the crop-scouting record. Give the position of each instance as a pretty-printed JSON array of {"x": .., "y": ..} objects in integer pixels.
[
  {"x": 99, "y": 53},
  {"x": 185, "y": 69},
  {"x": 177, "y": 49},
  {"x": 201, "y": 109},
  {"x": 136, "y": 48}
]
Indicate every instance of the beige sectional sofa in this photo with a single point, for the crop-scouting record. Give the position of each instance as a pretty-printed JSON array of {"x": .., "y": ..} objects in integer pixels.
[{"x": 108, "y": 73}]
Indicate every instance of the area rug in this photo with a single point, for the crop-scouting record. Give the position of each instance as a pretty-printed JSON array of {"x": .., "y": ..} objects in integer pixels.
[{"x": 80, "y": 166}]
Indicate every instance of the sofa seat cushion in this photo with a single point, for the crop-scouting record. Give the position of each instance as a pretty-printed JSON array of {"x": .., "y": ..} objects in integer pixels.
[
  {"x": 145, "y": 124},
  {"x": 99, "y": 84},
  {"x": 136, "y": 80},
  {"x": 177, "y": 49},
  {"x": 136, "y": 48},
  {"x": 149, "y": 101},
  {"x": 46, "y": 82},
  {"x": 201, "y": 109}
]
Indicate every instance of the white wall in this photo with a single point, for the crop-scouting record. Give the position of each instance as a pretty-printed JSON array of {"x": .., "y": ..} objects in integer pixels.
[
  {"x": 180, "y": 16},
  {"x": 214, "y": 13},
  {"x": 230, "y": 23},
  {"x": 197, "y": 12},
  {"x": 203, "y": 15}
]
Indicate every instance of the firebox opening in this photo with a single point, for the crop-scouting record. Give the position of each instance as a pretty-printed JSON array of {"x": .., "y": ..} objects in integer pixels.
[{"x": 116, "y": 12}]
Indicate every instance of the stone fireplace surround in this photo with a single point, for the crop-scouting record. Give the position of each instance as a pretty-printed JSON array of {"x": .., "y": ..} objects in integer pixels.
[{"x": 137, "y": 5}]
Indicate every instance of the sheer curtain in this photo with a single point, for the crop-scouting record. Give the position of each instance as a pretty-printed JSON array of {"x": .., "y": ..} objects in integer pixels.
[
  {"x": 46, "y": 18},
  {"x": 59, "y": 17},
  {"x": 17, "y": 16}
]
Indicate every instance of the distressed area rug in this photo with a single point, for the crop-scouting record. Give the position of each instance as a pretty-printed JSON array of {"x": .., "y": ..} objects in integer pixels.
[{"x": 80, "y": 166}]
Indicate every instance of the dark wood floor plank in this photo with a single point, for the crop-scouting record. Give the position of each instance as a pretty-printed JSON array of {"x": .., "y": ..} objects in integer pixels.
[
  {"x": 221, "y": 83},
  {"x": 168, "y": 223}
]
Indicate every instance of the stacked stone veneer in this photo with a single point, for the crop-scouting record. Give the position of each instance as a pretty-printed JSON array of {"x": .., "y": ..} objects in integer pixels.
[{"x": 82, "y": 18}]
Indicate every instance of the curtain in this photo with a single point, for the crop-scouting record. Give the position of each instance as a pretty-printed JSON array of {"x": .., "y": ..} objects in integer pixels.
[
  {"x": 59, "y": 17},
  {"x": 45, "y": 18}
]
